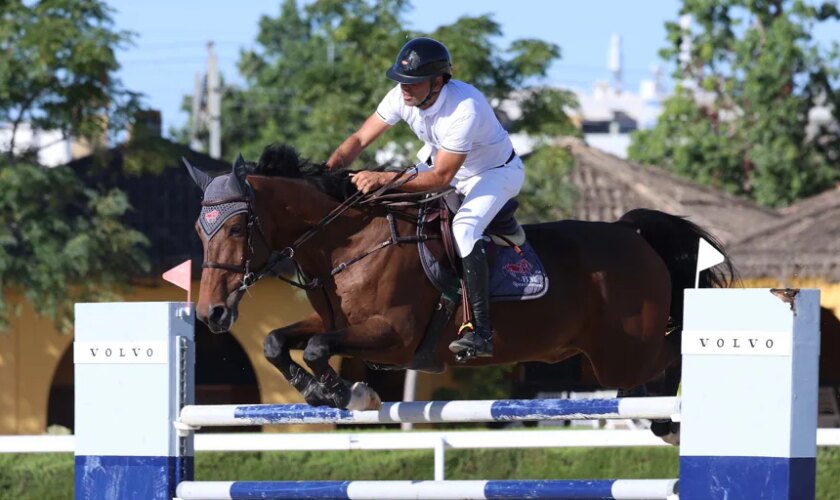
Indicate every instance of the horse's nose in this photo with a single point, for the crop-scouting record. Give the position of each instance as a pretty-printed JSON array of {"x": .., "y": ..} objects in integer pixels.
[{"x": 218, "y": 318}]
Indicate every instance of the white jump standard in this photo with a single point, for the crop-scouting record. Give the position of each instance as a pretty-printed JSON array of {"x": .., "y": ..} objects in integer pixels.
[{"x": 748, "y": 410}]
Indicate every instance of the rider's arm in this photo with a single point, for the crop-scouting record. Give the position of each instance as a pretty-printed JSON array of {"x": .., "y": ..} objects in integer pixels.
[
  {"x": 446, "y": 165},
  {"x": 353, "y": 146}
]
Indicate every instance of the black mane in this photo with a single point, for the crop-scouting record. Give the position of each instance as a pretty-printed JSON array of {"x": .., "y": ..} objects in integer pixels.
[{"x": 282, "y": 160}]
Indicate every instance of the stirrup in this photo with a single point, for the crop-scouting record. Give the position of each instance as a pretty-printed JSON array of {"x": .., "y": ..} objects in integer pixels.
[{"x": 476, "y": 345}]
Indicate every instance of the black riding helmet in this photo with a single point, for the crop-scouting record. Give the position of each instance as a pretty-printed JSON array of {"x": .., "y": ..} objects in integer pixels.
[{"x": 419, "y": 60}]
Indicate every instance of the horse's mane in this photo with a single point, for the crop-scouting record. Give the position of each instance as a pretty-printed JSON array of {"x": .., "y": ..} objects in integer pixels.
[{"x": 282, "y": 160}]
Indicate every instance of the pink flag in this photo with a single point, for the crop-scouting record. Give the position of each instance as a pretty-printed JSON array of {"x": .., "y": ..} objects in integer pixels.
[{"x": 181, "y": 276}]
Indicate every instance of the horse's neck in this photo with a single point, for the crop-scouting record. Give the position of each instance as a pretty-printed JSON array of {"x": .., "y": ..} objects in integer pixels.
[{"x": 294, "y": 206}]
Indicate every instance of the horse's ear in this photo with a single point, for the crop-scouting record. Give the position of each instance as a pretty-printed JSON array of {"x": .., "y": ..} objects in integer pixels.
[
  {"x": 240, "y": 171},
  {"x": 200, "y": 178}
]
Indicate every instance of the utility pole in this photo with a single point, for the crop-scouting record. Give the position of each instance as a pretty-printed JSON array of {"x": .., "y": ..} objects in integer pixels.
[
  {"x": 207, "y": 107},
  {"x": 197, "y": 112},
  {"x": 214, "y": 103}
]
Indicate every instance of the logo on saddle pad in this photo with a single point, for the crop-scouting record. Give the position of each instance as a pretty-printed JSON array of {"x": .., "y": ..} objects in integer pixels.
[
  {"x": 516, "y": 269},
  {"x": 211, "y": 216}
]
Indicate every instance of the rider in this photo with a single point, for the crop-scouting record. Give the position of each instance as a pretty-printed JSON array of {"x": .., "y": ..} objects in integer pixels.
[{"x": 468, "y": 149}]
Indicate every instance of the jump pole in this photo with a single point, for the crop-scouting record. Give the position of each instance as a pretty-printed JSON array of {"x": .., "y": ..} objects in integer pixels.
[{"x": 749, "y": 408}]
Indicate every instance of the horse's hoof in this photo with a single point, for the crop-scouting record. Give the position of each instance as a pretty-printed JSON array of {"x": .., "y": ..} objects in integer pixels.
[
  {"x": 314, "y": 395},
  {"x": 362, "y": 397},
  {"x": 673, "y": 439},
  {"x": 667, "y": 431}
]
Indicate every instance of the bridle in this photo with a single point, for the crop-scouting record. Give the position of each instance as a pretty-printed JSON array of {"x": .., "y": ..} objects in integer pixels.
[{"x": 275, "y": 258}]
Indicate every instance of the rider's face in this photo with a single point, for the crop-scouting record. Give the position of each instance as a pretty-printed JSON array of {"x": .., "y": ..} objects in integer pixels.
[{"x": 414, "y": 93}]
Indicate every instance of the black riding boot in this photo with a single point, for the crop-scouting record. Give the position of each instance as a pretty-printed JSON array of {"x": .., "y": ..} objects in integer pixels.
[{"x": 476, "y": 342}]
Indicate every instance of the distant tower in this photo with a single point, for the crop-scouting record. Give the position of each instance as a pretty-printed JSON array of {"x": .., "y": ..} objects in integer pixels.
[
  {"x": 615, "y": 61},
  {"x": 686, "y": 44},
  {"x": 651, "y": 92}
]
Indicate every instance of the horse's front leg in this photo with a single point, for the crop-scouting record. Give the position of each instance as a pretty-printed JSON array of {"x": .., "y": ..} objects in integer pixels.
[
  {"x": 276, "y": 348},
  {"x": 375, "y": 334}
]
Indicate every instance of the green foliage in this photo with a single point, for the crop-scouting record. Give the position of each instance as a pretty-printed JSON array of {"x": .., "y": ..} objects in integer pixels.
[
  {"x": 546, "y": 194},
  {"x": 319, "y": 72},
  {"x": 58, "y": 68},
  {"x": 49, "y": 476},
  {"x": 486, "y": 382},
  {"x": 68, "y": 246},
  {"x": 760, "y": 75},
  {"x": 61, "y": 242}
]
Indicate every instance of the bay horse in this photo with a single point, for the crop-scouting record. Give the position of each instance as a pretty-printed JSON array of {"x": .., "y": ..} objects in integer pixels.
[{"x": 616, "y": 292}]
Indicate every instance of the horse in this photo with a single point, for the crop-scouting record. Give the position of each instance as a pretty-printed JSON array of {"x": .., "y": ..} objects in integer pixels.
[{"x": 616, "y": 293}]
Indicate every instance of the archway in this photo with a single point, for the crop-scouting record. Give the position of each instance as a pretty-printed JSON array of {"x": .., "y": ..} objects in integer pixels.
[{"x": 224, "y": 375}]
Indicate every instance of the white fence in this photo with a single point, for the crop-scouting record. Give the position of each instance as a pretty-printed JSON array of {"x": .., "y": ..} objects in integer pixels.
[{"x": 439, "y": 441}]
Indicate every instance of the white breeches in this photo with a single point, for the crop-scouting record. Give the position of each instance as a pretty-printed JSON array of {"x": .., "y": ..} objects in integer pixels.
[{"x": 484, "y": 195}]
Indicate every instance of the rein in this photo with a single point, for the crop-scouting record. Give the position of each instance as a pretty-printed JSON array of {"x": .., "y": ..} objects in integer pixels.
[{"x": 275, "y": 258}]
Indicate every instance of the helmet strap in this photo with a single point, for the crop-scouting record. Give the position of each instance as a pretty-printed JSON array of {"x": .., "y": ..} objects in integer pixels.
[{"x": 431, "y": 93}]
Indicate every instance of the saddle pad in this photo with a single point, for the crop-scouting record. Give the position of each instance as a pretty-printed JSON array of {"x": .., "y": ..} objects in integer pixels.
[{"x": 514, "y": 276}]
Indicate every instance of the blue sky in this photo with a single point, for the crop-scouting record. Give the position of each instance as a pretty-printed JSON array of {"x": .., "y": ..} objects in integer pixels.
[
  {"x": 170, "y": 46},
  {"x": 171, "y": 37}
]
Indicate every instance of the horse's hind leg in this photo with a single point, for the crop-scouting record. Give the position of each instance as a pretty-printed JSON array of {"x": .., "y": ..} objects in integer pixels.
[
  {"x": 668, "y": 385},
  {"x": 375, "y": 334},
  {"x": 276, "y": 348}
]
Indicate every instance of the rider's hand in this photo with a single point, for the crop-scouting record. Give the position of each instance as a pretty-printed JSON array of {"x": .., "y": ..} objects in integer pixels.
[{"x": 367, "y": 181}]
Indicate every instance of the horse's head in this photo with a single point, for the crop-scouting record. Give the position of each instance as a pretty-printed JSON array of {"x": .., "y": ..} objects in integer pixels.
[
  {"x": 296, "y": 196},
  {"x": 233, "y": 245}
]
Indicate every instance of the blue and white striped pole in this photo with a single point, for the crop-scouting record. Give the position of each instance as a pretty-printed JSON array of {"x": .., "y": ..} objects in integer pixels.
[
  {"x": 133, "y": 372},
  {"x": 418, "y": 412},
  {"x": 621, "y": 489},
  {"x": 749, "y": 385}
]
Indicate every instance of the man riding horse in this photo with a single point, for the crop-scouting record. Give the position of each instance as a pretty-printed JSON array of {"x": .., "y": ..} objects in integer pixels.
[{"x": 467, "y": 148}]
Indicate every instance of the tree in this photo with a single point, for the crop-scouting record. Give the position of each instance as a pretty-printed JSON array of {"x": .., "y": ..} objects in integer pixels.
[
  {"x": 60, "y": 242},
  {"x": 741, "y": 119},
  {"x": 58, "y": 69},
  {"x": 319, "y": 72}
]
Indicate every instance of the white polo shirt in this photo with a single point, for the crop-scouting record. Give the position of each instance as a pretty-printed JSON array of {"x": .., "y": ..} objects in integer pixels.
[{"x": 460, "y": 121}]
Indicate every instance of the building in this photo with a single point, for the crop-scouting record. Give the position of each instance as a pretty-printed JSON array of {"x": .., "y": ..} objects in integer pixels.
[
  {"x": 608, "y": 112},
  {"x": 50, "y": 147},
  {"x": 796, "y": 246}
]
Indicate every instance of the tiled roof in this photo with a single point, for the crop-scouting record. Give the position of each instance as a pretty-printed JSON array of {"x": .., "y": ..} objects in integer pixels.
[
  {"x": 609, "y": 186},
  {"x": 802, "y": 240},
  {"x": 804, "y": 243}
]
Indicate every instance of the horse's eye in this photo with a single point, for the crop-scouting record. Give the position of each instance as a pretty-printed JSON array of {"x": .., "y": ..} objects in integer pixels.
[{"x": 236, "y": 230}]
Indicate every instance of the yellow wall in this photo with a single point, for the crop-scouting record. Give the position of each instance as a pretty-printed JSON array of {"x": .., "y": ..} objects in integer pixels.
[{"x": 32, "y": 349}]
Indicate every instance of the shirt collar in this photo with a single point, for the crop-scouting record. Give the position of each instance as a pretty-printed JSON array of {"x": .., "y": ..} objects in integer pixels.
[{"x": 434, "y": 108}]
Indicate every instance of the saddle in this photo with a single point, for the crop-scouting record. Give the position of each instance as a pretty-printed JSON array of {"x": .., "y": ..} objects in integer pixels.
[{"x": 516, "y": 272}]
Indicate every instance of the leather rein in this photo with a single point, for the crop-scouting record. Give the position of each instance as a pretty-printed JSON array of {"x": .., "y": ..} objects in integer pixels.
[{"x": 250, "y": 277}]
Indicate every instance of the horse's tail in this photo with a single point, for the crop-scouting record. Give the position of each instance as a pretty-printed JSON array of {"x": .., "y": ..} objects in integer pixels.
[{"x": 676, "y": 241}]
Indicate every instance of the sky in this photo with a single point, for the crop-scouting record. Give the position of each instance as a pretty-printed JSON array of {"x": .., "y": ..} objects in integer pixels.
[{"x": 172, "y": 35}]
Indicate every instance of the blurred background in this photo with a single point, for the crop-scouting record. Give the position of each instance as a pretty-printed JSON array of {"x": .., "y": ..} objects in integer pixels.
[{"x": 725, "y": 112}]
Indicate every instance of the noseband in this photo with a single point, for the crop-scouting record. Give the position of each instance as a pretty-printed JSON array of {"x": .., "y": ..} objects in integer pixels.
[{"x": 249, "y": 276}]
